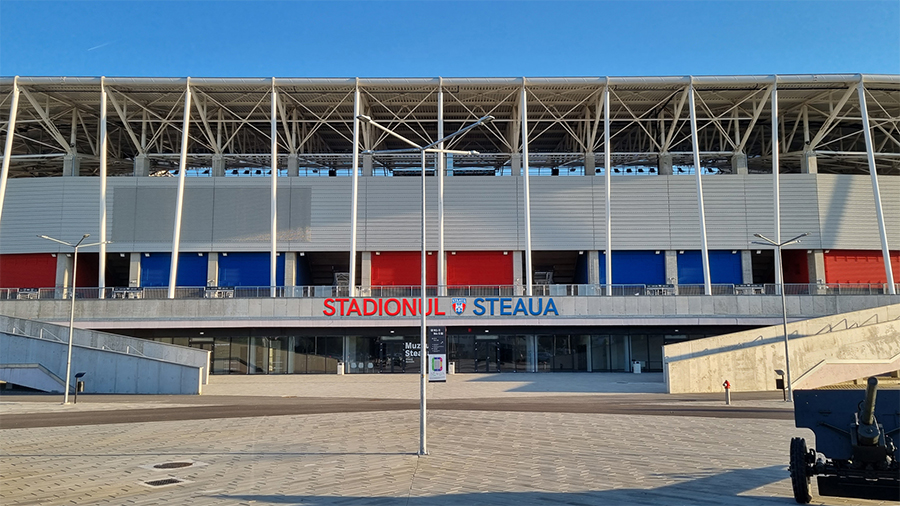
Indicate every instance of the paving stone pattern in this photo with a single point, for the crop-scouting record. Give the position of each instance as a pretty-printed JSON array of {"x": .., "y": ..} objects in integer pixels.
[{"x": 369, "y": 458}]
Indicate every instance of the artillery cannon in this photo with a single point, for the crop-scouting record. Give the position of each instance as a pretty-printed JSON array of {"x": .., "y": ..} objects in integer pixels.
[{"x": 859, "y": 458}]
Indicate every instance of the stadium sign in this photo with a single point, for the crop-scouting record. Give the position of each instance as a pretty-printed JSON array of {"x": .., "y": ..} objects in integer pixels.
[{"x": 481, "y": 306}]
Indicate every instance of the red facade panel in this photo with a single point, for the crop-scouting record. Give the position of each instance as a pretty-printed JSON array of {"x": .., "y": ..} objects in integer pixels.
[
  {"x": 33, "y": 270},
  {"x": 402, "y": 268},
  {"x": 796, "y": 266},
  {"x": 479, "y": 268},
  {"x": 851, "y": 266}
]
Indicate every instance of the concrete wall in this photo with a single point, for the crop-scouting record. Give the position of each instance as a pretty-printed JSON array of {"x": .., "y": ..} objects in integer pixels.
[
  {"x": 192, "y": 357},
  {"x": 749, "y": 359},
  {"x": 107, "y": 372},
  {"x": 759, "y": 310}
]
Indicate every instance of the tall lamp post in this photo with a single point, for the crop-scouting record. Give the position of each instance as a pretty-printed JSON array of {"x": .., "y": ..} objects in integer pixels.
[
  {"x": 787, "y": 354},
  {"x": 72, "y": 310},
  {"x": 422, "y": 150}
]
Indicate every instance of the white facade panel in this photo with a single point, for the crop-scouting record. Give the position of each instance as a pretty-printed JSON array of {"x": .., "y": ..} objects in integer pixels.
[
  {"x": 640, "y": 213},
  {"x": 561, "y": 213}
]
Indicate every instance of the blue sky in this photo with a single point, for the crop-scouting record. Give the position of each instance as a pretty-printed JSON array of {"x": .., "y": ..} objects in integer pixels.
[{"x": 434, "y": 38}]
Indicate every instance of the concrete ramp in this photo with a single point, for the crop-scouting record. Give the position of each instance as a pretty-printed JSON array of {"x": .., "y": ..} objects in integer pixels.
[
  {"x": 822, "y": 351},
  {"x": 32, "y": 354},
  {"x": 831, "y": 371},
  {"x": 33, "y": 376}
]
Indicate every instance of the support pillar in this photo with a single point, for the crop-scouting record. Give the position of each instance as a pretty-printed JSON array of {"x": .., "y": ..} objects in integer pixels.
[
  {"x": 515, "y": 163},
  {"x": 212, "y": 269},
  {"x": 747, "y": 267},
  {"x": 815, "y": 261},
  {"x": 293, "y": 167},
  {"x": 672, "y": 267},
  {"x": 739, "y": 163},
  {"x": 665, "y": 164},
  {"x": 141, "y": 166},
  {"x": 64, "y": 266},
  {"x": 367, "y": 165},
  {"x": 519, "y": 285},
  {"x": 134, "y": 270},
  {"x": 809, "y": 163},
  {"x": 71, "y": 164},
  {"x": 290, "y": 272},
  {"x": 593, "y": 270},
  {"x": 590, "y": 165},
  {"x": 366, "y": 273},
  {"x": 218, "y": 165}
]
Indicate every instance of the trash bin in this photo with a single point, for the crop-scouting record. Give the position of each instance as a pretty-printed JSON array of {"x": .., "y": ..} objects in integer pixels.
[
  {"x": 340, "y": 368},
  {"x": 636, "y": 366},
  {"x": 451, "y": 368}
]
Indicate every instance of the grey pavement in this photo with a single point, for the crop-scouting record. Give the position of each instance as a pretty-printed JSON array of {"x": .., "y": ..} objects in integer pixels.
[{"x": 475, "y": 457}]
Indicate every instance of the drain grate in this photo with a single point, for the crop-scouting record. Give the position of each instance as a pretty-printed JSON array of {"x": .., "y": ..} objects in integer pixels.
[
  {"x": 163, "y": 482},
  {"x": 173, "y": 465}
]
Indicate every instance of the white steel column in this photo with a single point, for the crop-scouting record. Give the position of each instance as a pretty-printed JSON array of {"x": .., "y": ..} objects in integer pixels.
[
  {"x": 707, "y": 286},
  {"x": 354, "y": 192},
  {"x": 607, "y": 177},
  {"x": 870, "y": 154},
  {"x": 528, "y": 268},
  {"x": 423, "y": 349},
  {"x": 776, "y": 182},
  {"x": 273, "y": 254},
  {"x": 101, "y": 277},
  {"x": 439, "y": 167},
  {"x": 7, "y": 147},
  {"x": 179, "y": 201}
]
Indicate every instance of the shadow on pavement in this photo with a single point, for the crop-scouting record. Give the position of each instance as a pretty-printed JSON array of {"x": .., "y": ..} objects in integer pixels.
[{"x": 720, "y": 488}]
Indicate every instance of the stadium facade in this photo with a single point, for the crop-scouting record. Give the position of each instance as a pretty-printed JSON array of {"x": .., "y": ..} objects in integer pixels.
[{"x": 582, "y": 225}]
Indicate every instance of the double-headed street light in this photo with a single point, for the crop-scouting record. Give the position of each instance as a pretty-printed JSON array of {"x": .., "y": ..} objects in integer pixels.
[
  {"x": 72, "y": 311},
  {"x": 430, "y": 148},
  {"x": 787, "y": 354}
]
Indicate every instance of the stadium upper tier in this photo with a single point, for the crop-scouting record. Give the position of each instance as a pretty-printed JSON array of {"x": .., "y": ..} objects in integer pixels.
[{"x": 230, "y": 123}]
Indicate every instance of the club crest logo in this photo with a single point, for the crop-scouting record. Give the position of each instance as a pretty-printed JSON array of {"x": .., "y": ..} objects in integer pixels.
[{"x": 459, "y": 305}]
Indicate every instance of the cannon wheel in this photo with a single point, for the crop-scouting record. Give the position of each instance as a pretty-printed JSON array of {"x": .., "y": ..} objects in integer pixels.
[{"x": 800, "y": 470}]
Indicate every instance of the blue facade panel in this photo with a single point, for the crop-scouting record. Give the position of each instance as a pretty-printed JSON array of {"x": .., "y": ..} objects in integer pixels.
[
  {"x": 724, "y": 268},
  {"x": 191, "y": 269},
  {"x": 635, "y": 268},
  {"x": 249, "y": 269}
]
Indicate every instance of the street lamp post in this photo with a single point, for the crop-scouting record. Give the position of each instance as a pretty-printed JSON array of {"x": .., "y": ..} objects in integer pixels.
[
  {"x": 72, "y": 310},
  {"x": 787, "y": 354},
  {"x": 422, "y": 150}
]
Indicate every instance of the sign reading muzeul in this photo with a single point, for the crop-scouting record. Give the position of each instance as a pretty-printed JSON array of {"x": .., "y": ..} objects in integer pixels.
[{"x": 437, "y": 354}]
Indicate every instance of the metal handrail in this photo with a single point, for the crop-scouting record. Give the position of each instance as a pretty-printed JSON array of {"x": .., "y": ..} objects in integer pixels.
[{"x": 405, "y": 291}]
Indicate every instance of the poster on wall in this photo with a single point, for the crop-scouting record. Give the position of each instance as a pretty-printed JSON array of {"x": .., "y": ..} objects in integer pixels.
[{"x": 437, "y": 354}]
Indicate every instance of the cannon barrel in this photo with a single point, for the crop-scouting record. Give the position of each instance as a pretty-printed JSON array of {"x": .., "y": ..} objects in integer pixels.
[{"x": 868, "y": 410}]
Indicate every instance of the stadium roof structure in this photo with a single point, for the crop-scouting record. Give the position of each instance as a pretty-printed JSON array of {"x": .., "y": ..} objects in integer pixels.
[{"x": 649, "y": 117}]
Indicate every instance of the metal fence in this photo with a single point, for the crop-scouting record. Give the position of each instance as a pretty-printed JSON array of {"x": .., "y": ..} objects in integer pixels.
[{"x": 248, "y": 292}]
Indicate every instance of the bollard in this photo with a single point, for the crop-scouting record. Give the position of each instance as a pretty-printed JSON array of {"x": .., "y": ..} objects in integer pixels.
[{"x": 727, "y": 386}]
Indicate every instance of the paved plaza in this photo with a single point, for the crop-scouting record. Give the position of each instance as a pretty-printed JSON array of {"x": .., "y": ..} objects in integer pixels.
[{"x": 369, "y": 457}]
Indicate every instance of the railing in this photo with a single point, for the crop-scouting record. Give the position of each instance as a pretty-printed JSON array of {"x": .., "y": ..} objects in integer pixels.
[{"x": 249, "y": 292}]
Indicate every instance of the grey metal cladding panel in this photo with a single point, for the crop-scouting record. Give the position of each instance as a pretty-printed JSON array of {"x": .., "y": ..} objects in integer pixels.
[
  {"x": 30, "y": 209},
  {"x": 330, "y": 214},
  {"x": 726, "y": 214},
  {"x": 242, "y": 215},
  {"x": 198, "y": 220},
  {"x": 800, "y": 209},
  {"x": 684, "y": 217},
  {"x": 484, "y": 213},
  {"x": 640, "y": 213},
  {"x": 847, "y": 210},
  {"x": 760, "y": 205},
  {"x": 393, "y": 217},
  {"x": 123, "y": 215},
  {"x": 890, "y": 206},
  {"x": 561, "y": 213},
  {"x": 294, "y": 215},
  {"x": 154, "y": 211},
  {"x": 81, "y": 209}
]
